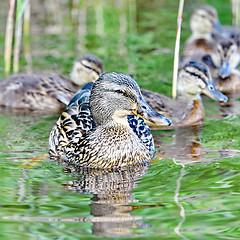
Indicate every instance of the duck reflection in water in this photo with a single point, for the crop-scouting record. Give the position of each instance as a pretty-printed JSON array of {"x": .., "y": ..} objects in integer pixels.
[
  {"x": 111, "y": 197},
  {"x": 185, "y": 144}
]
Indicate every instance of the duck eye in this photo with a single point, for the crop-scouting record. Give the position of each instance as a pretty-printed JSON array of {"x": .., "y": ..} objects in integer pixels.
[{"x": 119, "y": 91}]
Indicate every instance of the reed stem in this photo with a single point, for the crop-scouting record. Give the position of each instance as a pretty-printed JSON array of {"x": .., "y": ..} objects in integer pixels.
[
  {"x": 177, "y": 46},
  {"x": 26, "y": 41},
  {"x": 235, "y": 12},
  {"x": 17, "y": 42},
  {"x": 9, "y": 37},
  {"x": 21, "y": 7}
]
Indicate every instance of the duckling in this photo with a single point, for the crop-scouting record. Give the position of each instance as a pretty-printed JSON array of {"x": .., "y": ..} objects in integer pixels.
[
  {"x": 204, "y": 23},
  {"x": 187, "y": 108},
  {"x": 223, "y": 66},
  {"x": 38, "y": 92},
  {"x": 103, "y": 126}
]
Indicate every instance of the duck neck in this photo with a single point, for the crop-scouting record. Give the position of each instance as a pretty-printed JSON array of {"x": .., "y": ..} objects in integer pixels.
[
  {"x": 201, "y": 35},
  {"x": 120, "y": 123},
  {"x": 196, "y": 114},
  {"x": 80, "y": 75},
  {"x": 189, "y": 96}
]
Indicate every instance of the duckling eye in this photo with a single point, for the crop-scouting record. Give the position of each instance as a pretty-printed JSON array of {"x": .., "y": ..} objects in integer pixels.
[
  {"x": 195, "y": 74},
  {"x": 210, "y": 87}
]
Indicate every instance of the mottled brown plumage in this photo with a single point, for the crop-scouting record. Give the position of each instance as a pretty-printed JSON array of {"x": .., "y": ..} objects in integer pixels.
[
  {"x": 39, "y": 92},
  {"x": 119, "y": 147},
  {"x": 97, "y": 132}
]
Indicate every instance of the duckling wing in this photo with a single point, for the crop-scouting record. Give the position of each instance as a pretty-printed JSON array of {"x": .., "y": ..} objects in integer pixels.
[
  {"x": 158, "y": 102},
  {"x": 34, "y": 91},
  {"x": 175, "y": 109},
  {"x": 75, "y": 121}
]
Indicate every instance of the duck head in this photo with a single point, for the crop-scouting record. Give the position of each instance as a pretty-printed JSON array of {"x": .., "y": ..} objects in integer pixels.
[
  {"x": 86, "y": 69},
  {"x": 116, "y": 95},
  {"x": 195, "y": 79},
  {"x": 205, "y": 20}
]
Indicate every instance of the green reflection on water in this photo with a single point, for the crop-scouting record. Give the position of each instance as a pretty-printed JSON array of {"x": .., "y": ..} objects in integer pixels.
[{"x": 37, "y": 203}]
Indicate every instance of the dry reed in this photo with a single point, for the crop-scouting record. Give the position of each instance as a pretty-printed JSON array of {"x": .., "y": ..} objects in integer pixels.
[{"x": 177, "y": 47}]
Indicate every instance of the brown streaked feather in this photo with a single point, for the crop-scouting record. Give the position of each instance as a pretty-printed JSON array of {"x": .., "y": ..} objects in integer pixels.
[
  {"x": 35, "y": 92},
  {"x": 127, "y": 150}
]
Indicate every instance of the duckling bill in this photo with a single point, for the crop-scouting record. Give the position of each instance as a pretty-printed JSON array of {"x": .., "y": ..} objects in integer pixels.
[{"x": 103, "y": 127}]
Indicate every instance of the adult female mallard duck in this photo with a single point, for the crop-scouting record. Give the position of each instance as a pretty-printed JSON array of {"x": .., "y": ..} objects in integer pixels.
[
  {"x": 100, "y": 127},
  {"x": 38, "y": 92},
  {"x": 187, "y": 108},
  {"x": 223, "y": 66}
]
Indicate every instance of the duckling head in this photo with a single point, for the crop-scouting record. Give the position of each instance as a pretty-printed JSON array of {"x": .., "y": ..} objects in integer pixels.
[
  {"x": 195, "y": 79},
  {"x": 226, "y": 58},
  {"x": 116, "y": 95},
  {"x": 204, "y": 20},
  {"x": 86, "y": 69}
]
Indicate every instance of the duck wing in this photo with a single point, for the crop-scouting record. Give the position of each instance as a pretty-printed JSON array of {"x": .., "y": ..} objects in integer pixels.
[
  {"x": 34, "y": 91},
  {"x": 75, "y": 121}
]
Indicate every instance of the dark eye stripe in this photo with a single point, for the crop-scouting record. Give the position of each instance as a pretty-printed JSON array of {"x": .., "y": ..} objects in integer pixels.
[
  {"x": 98, "y": 73},
  {"x": 196, "y": 75},
  {"x": 126, "y": 94}
]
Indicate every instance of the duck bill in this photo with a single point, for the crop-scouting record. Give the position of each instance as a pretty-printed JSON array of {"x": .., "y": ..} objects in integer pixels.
[
  {"x": 224, "y": 70},
  {"x": 213, "y": 93},
  {"x": 150, "y": 116}
]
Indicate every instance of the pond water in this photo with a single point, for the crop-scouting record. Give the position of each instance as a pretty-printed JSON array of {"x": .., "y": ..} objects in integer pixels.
[{"x": 190, "y": 191}]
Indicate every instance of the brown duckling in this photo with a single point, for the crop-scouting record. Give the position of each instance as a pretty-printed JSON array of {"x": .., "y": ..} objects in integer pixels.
[
  {"x": 187, "y": 108},
  {"x": 38, "y": 92},
  {"x": 204, "y": 23}
]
